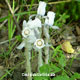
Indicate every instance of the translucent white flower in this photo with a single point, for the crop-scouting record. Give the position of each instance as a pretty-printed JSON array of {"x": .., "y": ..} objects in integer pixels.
[
  {"x": 50, "y": 18},
  {"x": 39, "y": 43},
  {"x": 27, "y": 32},
  {"x": 21, "y": 45},
  {"x": 34, "y": 23},
  {"x": 41, "y": 9}
]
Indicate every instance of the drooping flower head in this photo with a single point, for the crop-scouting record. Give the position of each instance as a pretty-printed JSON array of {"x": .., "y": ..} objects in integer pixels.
[
  {"x": 39, "y": 43},
  {"x": 50, "y": 18},
  {"x": 42, "y": 8}
]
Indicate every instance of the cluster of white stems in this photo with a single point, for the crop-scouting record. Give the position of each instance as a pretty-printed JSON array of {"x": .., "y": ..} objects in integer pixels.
[{"x": 32, "y": 35}]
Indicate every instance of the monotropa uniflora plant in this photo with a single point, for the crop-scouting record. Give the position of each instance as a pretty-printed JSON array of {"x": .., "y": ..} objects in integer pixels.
[{"x": 33, "y": 39}]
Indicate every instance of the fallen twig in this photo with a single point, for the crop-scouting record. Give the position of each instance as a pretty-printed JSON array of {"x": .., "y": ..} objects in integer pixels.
[
  {"x": 3, "y": 42},
  {"x": 3, "y": 23}
]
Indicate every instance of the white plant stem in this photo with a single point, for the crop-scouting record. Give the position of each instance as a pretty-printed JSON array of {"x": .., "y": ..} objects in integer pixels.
[
  {"x": 40, "y": 60},
  {"x": 46, "y": 55},
  {"x": 46, "y": 33},
  {"x": 28, "y": 63}
]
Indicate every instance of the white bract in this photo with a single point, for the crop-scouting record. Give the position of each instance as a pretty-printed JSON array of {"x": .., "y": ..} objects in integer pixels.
[
  {"x": 41, "y": 9},
  {"x": 24, "y": 24},
  {"x": 21, "y": 45},
  {"x": 46, "y": 32},
  {"x": 31, "y": 39},
  {"x": 55, "y": 27},
  {"x": 39, "y": 43},
  {"x": 50, "y": 18}
]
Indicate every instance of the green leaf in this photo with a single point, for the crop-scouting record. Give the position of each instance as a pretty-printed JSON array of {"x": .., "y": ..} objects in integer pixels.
[
  {"x": 45, "y": 68},
  {"x": 61, "y": 77},
  {"x": 40, "y": 78},
  {"x": 75, "y": 76},
  {"x": 54, "y": 68},
  {"x": 4, "y": 18},
  {"x": 62, "y": 61},
  {"x": 57, "y": 51},
  {"x": 19, "y": 38}
]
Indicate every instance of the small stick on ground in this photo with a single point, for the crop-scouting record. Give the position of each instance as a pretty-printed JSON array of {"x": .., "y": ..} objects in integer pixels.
[
  {"x": 3, "y": 23},
  {"x": 6, "y": 41}
]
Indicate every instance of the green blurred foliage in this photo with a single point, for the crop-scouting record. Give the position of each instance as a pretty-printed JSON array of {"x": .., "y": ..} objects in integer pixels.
[{"x": 72, "y": 8}]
